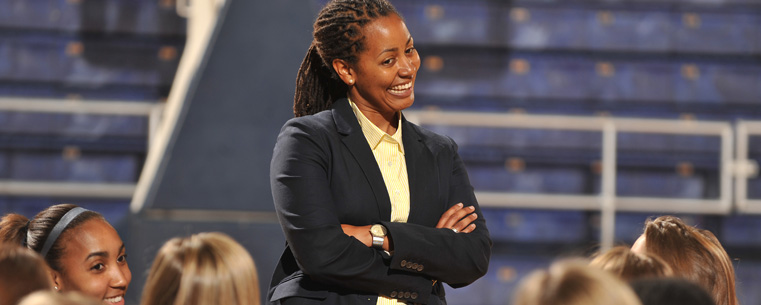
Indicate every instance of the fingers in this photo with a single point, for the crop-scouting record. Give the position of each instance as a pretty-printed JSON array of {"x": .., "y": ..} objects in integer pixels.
[
  {"x": 444, "y": 220},
  {"x": 466, "y": 224},
  {"x": 458, "y": 216}
]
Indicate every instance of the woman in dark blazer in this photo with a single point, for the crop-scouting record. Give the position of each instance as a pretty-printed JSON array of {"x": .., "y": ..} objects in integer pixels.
[{"x": 330, "y": 194}]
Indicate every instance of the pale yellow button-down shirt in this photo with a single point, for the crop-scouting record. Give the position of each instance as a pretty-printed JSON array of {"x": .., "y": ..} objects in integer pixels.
[{"x": 389, "y": 154}]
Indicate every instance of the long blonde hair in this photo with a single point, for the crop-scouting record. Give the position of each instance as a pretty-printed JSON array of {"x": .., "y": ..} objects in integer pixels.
[
  {"x": 573, "y": 283},
  {"x": 205, "y": 268}
]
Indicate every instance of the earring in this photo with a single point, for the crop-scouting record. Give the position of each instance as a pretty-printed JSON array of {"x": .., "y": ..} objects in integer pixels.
[
  {"x": 56, "y": 287},
  {"x": 351, "y": 82}
]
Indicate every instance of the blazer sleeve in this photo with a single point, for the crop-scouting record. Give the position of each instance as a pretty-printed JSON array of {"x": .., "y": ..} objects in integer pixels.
[
  {"x": 299, "y": 175},
  {"x": 457, "y": 259}
]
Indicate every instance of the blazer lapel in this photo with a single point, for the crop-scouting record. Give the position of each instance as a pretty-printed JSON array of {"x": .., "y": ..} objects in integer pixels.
[
  {"x": 356, "y": 143},
  {"x": 422, "y": 174}
]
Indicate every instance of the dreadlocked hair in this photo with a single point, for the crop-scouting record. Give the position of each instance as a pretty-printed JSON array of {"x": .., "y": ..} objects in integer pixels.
[{"x": 337, "y": 35}]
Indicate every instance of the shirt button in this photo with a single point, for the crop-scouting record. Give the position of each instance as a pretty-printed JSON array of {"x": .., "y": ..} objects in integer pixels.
[{"x": 390, "y": 163}]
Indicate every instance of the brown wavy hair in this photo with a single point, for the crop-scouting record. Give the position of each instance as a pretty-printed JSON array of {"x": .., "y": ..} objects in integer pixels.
[{"x": 693, "y": 253}]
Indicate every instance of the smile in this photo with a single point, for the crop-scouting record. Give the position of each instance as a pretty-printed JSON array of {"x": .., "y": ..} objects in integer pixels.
[
  {"x": 115, "y": 299},
  {"x": 399, "y": 89}
]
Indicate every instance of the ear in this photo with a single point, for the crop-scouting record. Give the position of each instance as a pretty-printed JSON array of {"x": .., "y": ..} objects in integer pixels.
[
  {"x": 345, "y": 72},
  {"x": 57, "y": 280}
]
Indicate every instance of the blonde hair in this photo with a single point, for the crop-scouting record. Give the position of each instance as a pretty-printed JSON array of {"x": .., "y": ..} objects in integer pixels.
[
  {"x": 694, "y": 254},
  {"x": 573, "y": 283},
  {"x": 205, "y": 268},
  {"x": 22, "y": 271},
  {"x": 56, "y": 298},
  {"x": 628, "y": 265}
]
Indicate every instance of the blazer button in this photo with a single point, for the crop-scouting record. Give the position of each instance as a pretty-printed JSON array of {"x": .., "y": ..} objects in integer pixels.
[
  {"x": 404, "y": 263},
  {"x": 413, "y": 295},
  {"x": 414, "y": 266},
  {"x": 407, "y": 295},
  {"x": 393, "y": 294},
  {"x": 420, "y": 268}
]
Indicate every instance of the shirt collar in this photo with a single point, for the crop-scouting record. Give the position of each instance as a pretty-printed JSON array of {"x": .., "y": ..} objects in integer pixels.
[{"x": 373, "y": 134}]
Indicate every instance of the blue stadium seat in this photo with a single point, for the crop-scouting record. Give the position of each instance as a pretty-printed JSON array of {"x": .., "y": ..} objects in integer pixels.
[
  {"x": 629, "y": 30},
  {"x": 28, "y": 14},
  {"x": 452, "y": 22},
  {"x": 99, "y": 125},
  {"x": 653, "y": 183},
  {"x": 724, "y": 33},
  {"x": 85, "y": 168},
  {"x": 741, "y": 230},
  {"x": 4, "y": 172},
  {"x": 500, "y": 282},
  {"x": 652, "y": 81},
  {"x": 535, "y": 226},
  {"x": 547, "y": 28},
  {"x": 31, "y": 123},
  {"x": 115, "y": 211},
  {"x": 144, "y": 17},
  {"x": 36, "y": 57},
  {"x": 6, "y": 57},
  {"x": 541, "y": 180}
]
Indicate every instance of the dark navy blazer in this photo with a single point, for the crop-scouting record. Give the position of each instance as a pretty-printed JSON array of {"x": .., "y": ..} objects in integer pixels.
[{"x": 323, "y": 174}]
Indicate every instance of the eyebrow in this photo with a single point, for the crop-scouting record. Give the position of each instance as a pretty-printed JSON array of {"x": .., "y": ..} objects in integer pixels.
[
  {"x": 102, "y": 253},
  {"x": 394, "y": 49}
]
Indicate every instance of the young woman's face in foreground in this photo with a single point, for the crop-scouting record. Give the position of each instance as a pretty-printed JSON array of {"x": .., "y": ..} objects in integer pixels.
[{"x": 94, "y": 263}]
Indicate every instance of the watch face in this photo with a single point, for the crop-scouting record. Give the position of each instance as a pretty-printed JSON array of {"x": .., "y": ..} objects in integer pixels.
[{"x": 378, "y": 230}]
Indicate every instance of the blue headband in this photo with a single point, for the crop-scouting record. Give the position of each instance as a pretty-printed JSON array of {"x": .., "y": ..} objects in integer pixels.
[{"x": 59, "y": 227}]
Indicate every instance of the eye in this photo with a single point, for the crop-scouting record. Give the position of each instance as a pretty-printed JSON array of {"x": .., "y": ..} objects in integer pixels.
[
  {"x": 98, "y": 267},
  {"x": 409, "y": 50},
  {"x": 122, "y": 259},
  {"x": 388, "y": 61}
]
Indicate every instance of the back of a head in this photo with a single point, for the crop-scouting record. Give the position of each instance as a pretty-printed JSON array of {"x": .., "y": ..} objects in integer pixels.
[
  {"x": 670, "y": 291},
  {"x": 629, "y": 265},
  {"x": 573, "y": 283},
  {"x": 22, "y": 271},
  {"x": 693, "y": 254},
  {"x": 56, "y": 298},
  {"x": 205, "y": 268}
]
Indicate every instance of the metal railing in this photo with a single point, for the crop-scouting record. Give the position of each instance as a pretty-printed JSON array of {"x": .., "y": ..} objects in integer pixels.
[{"x": 607, "y": 202}]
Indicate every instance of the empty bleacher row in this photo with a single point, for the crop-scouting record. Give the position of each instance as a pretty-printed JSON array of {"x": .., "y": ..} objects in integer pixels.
[{"x": 75, "y": 52}]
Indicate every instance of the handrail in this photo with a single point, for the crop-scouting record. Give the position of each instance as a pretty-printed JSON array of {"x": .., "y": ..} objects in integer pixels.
[
  {"x": 745, "y": 168},
  {"x": 607, "y": 202}
]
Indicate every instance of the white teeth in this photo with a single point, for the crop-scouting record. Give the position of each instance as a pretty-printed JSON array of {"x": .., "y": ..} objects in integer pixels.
[
  {"x": 114, "y": 299},
  {"x": 401, "y": 87}
]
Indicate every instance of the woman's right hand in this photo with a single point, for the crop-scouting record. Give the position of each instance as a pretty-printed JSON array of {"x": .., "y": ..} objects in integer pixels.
[{"x": 458, "y": 218}]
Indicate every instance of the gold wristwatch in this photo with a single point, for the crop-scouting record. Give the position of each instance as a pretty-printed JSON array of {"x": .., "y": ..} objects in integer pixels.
[{"x": 378, "y": 231}]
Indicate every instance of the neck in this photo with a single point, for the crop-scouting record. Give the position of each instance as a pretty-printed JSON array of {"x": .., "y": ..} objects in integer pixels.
[{"x": 387, "y": 121}]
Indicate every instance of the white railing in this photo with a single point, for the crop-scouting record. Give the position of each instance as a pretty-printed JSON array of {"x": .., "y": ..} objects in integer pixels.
[
  {"x": 78, "y": 189},
  {"x": 745, "y": 168},
  {"x": 607, "y": 202}
]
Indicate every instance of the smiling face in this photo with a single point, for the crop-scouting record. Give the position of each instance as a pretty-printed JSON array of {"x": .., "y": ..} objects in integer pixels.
[
  {"x": 94, "y": 263},
  {"x": 383, "y": 78}
]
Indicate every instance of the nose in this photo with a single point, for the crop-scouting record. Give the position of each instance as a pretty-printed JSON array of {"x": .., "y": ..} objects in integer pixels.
[
  {"x": 120, "y": 277},
  {"x": 407, "y": 67}
]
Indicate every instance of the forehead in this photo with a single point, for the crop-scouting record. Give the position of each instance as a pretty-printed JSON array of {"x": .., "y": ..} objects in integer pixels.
[
  {"x": 385, "y": 32},
  {"x": 93, "y": 235}
]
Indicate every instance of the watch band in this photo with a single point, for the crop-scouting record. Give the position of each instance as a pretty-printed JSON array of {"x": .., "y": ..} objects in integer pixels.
[{"x": 378, "y": 242}]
